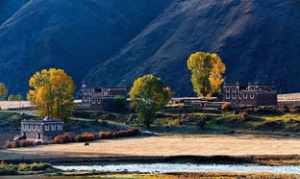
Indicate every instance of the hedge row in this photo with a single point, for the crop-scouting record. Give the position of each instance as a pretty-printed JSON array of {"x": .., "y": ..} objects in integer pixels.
[
  {"x": 20, "y": 143},
  {"x": 89, "y": 136}
]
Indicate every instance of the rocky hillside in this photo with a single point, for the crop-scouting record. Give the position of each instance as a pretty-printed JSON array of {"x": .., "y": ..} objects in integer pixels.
[{"x": 112, "y": 42}]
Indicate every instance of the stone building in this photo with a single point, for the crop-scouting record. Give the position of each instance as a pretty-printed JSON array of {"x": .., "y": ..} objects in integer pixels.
[
  {"x": 102, "y": 98},
  {"x": 251, "y": 95},
  {"x": 41, "y": 130}
]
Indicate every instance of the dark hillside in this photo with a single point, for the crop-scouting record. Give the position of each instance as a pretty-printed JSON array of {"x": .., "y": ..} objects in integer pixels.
[
  {"x": 259, "y": 41},
  {"x": 9, "y": 7},
  {"x": 112, "y": 42},
  {"x": 74, "y": 35}
]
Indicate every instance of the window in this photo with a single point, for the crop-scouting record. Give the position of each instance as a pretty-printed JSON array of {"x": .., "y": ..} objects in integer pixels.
[
  {"x": 59, "y": 127},
  {"x": 252, "y": 96},
  {"x": 245, "y": 96},
  {"x": 233, "y": 96},
  {"x": 46, "y": 128},
  {"x": 227, "y": 95},
  {"x": 53, "y": 127}
]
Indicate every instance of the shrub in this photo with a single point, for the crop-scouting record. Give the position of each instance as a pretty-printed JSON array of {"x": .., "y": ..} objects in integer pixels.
[
  {"x": 226, "y": 106},
  {"x": 12, "y": 169},
  {"x": 175, "y": 122},
  {"x": 33, "y": 166},
  {"x": 85, "y": 137},
  {"x": 243, "y": 115},
  {"x": 64, "y": 138},
  {"x": 295, "y": 109},
  {"x": 7, "y": 169},
  {"x": 19, "y": 143},
  {"x": 119, "y": 134},
  {"x": 106, "y": 135}
]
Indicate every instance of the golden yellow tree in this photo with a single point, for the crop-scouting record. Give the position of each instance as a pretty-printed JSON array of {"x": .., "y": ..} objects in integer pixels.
[
  {"x": 3, "y": 90},
  {"x": 148, "y": 95},
  {"x": 207, "y": 73},
  {"x": 52, "y": 90}
]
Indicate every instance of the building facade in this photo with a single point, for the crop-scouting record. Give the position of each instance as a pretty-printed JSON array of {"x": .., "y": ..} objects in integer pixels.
[
  {"x": 41, "y": 130},
  {"x": 251, "y": 95},
  {"x": 101, "y": 98}
]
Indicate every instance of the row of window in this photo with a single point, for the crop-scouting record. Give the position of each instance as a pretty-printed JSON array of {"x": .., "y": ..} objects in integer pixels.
[
  {"x": 53, "y": 127},
  {"x": 234, "y": 90},
  {"x": 235, "y": 96}
]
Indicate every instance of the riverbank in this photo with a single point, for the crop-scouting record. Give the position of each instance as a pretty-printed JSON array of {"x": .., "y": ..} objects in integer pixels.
[{"x": 162, "y": 176}]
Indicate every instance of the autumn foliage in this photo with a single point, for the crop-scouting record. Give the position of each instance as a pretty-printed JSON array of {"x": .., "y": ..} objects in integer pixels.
[
  {"x": 148, "y": 95},
  {"x": 85, "y": 137},
  {"x": 52, "y": 92},
  {"x": 207, "y": 73},
  {"x": 3, "y": 90},
  {"x": 64, "y": 138},
  {"x": 119, "y": 134}
]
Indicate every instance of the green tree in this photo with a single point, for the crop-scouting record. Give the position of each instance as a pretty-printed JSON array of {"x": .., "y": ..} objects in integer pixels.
[
  {"x": 207, "y": 71},
  {"x": 52, "y": 91},
  {"x": 3, "y": 90},
  {"x": 148, "y": 95}
]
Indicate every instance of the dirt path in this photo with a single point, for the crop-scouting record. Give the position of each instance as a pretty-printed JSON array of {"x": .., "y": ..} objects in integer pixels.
[{"x": 195, "y": 145}]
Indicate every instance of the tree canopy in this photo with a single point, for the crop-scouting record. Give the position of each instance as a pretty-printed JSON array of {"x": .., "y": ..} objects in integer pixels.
[
  {"x": 52, "y": 90},
  {"x": 149, "y": 95},
  {"x": 207, "y": 71},
  {"x": 3, "y": 90}
]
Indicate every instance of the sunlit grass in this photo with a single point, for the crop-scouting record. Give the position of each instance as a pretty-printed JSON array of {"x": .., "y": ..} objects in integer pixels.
[{"x": 281, "y": 117}]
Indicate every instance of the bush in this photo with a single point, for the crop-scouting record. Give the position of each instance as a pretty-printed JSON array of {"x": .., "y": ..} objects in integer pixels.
[
  {"x": 33, "y": 166},
  {"x": 175, "y": 122},
  {"x": 7, "y": 169},
  {"x": 106, "y": 135},
  {"x": 19, "y": 143},
  {"x": 226, "y": 106},
  {"x": 119, "y": 134},
  {"x": 243, "y": 115},
  {"x": 85, "y": 137},
  {"x": 12, "y": 169},
  {"x": 64, "y": 138}
]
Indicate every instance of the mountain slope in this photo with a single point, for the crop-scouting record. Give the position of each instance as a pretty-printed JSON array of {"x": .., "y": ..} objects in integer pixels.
[
  {"x": 9, "y": 7},
  {"x": 74, "y": 35},
  {"x": 258, "y": 40}
]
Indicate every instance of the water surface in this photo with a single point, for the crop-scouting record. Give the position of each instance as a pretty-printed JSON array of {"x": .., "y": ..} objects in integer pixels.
[{"x": 189, "y": 168}]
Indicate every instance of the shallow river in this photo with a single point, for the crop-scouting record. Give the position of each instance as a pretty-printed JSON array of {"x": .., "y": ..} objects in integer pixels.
[{"x": 169, "y": 168}]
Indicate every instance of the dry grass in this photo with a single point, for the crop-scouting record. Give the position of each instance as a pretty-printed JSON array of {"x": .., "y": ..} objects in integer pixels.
[
  {"x": 281, "y": 117},
  {"x": 197, "y": 145}
]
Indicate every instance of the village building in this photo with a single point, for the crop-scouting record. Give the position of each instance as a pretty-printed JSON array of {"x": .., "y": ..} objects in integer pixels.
[
  {"x": 101, "y": 98},
  {"x": 251, "y": 95},
  {"x": 41, "y": 130}
]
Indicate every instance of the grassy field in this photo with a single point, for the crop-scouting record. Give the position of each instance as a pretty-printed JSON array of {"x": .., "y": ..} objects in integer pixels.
[
  {"x": 198, "y": 134},
  {"x": 205, "y": 122}
]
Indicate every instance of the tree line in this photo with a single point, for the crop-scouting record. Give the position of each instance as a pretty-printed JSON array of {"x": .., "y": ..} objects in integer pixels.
[{"x": 52, "y": 90}]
